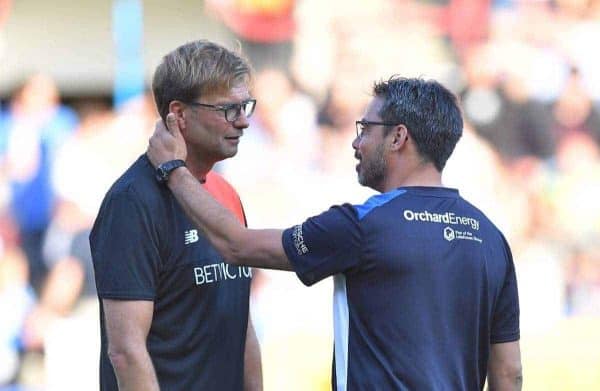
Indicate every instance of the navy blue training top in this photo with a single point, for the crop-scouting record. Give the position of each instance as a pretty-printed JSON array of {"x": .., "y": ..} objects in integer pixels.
[
  {"x": 424, "y": 282},
  {"x": 145, "y": 248}
]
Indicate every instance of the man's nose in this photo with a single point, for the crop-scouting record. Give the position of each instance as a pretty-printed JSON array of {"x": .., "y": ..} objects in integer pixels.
[{"x": 241, "y": 121}]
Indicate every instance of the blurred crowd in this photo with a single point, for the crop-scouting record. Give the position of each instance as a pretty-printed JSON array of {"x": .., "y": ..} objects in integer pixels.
[{"x": 527, "y": 75}]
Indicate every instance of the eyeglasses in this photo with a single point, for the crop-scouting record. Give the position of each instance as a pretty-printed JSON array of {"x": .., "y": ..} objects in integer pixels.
[
  {"x": 361, "y": 126},
  {"x": 232, "y": 111}
]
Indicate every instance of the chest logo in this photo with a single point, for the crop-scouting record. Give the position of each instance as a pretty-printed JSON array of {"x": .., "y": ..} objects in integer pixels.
[
  {"x": 191, "y": 236},
  {"x": 449, "y": 234}
]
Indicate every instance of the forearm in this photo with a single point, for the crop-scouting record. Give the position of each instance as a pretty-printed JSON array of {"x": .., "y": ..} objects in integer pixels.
[
  {"x": 252, "y": 362},
  {"x": 506, "y": 381},
  {"x": 236, "y": 243},
  {"x": 134, "y": 371},
  {"x": 220, "y": 226},
  {"x": 505, "y": 372}
]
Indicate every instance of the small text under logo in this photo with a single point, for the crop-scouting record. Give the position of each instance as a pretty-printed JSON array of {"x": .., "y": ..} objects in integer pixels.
[{"x": 298, "y": 238}]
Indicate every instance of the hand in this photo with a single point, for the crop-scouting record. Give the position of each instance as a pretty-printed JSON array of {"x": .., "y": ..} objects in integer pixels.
[{"x": 166, "y": 143}]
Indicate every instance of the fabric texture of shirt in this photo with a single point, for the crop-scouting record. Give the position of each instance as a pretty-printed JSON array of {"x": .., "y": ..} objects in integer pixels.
[
  {"x": 423, "y": 284},
  {"x": 145, "y": 248}
]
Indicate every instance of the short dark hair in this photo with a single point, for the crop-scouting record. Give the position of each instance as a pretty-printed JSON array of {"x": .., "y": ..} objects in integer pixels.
[
  {"x": 194, "y": 69},
  {"x": 430, "y": 112}
]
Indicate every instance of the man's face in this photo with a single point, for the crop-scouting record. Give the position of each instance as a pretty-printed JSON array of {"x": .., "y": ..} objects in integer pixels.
[
  {"x": 369, "y": 149},
  {"x": 208, "y": 134}
]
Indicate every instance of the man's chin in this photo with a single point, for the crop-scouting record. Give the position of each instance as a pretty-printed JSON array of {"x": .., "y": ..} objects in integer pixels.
[
  {"x": 361, "y": 180},
  {"x": 230, "y": 152},
  {"x": 371, "y": 183}
]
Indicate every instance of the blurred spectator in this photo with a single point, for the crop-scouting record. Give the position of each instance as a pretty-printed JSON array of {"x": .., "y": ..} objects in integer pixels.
[
  {"x": 576, "y": 188},
  {"x": 342, "y": 107},
  {"x": 287, "y": 117},
  {"x": 576, "y": 31},
  {"x": 467, "y": 22},
  {"x": 264, "y": 28},
  {"x": 582, "y": 288},
  {"x": 538, "y": 248},
  {"x": 577, "y": 221},
  {"x": 502, "y": 111},
  {"x": 30, "y": 133},
  {"x": 357, "y": 42},
  {"x": 16, "y": 299},
  {"x": 574, "y": 111}
]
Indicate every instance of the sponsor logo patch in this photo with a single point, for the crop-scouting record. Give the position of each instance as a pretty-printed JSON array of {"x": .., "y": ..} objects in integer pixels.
[
  {"x": 298, "y": 238},
  {"x": 443, "y": 218},
  {"x": 457, "y": 227},
  {"x": 218, "y": 272}
]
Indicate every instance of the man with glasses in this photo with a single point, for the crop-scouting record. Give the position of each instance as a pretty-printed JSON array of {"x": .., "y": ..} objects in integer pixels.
[
  {"x": 174, "y": 315},
  {"x": 425, "y": 287}
]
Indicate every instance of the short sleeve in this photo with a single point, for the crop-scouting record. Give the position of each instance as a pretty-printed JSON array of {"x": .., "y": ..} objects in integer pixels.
[
  {"x": 324, "y": 245},
  {"x": 505, "y": 323},
  {"x": 124, "y": 249}
]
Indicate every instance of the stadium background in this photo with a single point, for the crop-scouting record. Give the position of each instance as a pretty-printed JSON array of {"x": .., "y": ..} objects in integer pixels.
[{"x": 75, "y": 113}]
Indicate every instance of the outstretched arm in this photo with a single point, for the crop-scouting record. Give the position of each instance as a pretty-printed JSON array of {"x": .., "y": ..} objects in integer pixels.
[{"x": 236, "y": 243}]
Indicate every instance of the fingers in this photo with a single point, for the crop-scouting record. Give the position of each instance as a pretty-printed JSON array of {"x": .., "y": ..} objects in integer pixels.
[
  {"x": 160, "y": 130},
  {"x": 173, "y": 125},
  {"x": 167, "y": 142}
]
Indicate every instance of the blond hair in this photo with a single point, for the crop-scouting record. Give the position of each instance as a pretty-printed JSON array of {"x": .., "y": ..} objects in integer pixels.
[{"x": 196, "y": 69}]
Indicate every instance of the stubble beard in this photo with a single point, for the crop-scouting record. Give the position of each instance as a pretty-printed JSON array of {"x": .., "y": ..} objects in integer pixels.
[{"x": 372, "y": 171}]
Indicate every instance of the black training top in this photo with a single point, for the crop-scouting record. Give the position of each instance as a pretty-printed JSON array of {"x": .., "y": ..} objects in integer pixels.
[
  {"x": 424, "y": 283},
  {"x": 145, "y": 248}
]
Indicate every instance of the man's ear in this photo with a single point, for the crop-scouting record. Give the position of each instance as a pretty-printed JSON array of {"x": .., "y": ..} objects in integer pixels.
[
  {"x": 399, "y": 135},
  {"x": 177, "y": 107}
]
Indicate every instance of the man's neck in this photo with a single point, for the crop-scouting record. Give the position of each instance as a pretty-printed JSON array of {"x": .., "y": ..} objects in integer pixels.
[
  {"x": 421, "y": 175},
  {"x": 198, "y": 168}
]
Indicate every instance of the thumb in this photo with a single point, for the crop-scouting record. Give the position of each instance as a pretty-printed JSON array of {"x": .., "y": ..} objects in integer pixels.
[{"x": 173, "y": 125}]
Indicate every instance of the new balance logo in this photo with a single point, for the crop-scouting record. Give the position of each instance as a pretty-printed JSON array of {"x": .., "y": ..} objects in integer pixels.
[{"x": 191, "y": 236}]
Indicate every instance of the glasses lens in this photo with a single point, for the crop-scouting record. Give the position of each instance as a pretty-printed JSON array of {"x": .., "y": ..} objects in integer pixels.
[
  {"x": 248, "y": 108},
  {"x": 233, "y": 112},
  {"x": 359, "y": 128}
]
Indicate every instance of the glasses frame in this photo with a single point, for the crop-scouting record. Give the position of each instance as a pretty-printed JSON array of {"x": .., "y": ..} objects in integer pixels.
[
  {"x": 226, "y": 107},
  {"x": 361, "y": 124}
]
